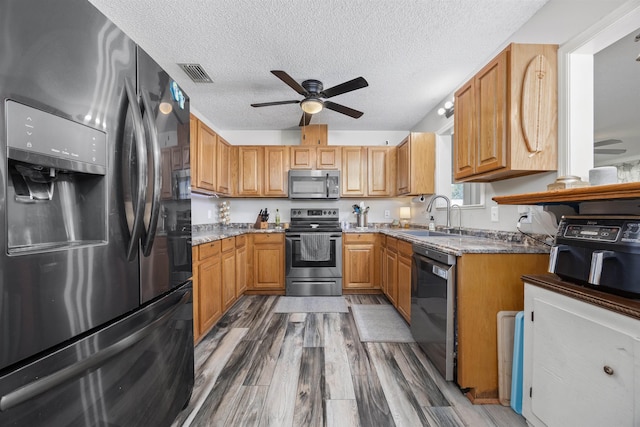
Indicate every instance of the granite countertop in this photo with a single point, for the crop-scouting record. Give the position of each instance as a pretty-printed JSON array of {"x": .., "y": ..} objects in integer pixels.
[{"x": 454, "y": 244}]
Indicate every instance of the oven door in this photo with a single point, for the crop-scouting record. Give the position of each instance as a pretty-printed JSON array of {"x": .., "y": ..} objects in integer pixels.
[
  {"x": 433, "y": 310},
  {"x": 297, "y": 266}
]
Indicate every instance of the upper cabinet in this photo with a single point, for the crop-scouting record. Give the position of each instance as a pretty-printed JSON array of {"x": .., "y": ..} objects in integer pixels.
[
  {"x": 313, "y": 135},
  {"x": 261, "y": 170},
  {"x": 249, "y": 169},
  {"x": 506, "y": 116},
  {"x": 354, "y": 166},
  {"x": 416, "y": 164},
  {"x": 320, "y": 157},
  {"x": 381, "y": 171},
  {"x": 276, "y": 171},
  {"x": 211, "y": 156}
]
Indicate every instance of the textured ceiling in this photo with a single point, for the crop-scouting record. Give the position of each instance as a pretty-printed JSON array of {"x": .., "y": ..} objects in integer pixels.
[{"x": 413, "y": 53}]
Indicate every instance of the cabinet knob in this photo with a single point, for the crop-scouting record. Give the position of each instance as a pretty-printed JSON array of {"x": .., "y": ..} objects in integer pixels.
[{"x": 608, "y": 370}]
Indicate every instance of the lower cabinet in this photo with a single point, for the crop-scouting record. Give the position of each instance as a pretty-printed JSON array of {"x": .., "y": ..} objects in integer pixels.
[
  {"x": 359, "y": 261},
  {"x": 485, "y": 285},
  {"x": 267, "y": 262},
  {"x": 207, "y": 283},
  {"x": 228, "y": 260},
  {"x": 241, "y": 265},
  {"x": 390, "y": 270},
  {"x": 405, "y": 252},
  {"x": 580, "y": 363}
]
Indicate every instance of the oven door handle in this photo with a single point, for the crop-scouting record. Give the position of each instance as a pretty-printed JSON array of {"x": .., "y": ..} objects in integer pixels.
[{"x": 298, "y": 236}]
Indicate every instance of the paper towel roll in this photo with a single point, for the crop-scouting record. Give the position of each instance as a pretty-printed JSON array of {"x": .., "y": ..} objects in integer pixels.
[{"x": 603, "y": 175}]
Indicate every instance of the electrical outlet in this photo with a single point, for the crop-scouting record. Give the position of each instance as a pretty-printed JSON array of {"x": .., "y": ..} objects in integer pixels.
[
  {"x": 495, "y": 214},
  {"x": 387, "y": 214},
  {"x": 526, "y": 217}
]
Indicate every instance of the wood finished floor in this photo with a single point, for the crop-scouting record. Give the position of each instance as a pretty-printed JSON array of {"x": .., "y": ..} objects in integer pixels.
[{"x": 259, "y": 368}]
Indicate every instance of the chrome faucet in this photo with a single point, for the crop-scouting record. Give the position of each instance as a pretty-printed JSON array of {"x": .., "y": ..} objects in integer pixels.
[{"x": 439, "y": 196}]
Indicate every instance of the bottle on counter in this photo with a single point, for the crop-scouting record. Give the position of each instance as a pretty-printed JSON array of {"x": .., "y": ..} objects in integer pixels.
[
  {"x": 277, "y": 218},
  {"x": 432, "y": 224}
]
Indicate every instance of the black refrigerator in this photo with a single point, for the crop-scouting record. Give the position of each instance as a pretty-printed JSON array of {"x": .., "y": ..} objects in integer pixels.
[{"x": 96, "y": 320}]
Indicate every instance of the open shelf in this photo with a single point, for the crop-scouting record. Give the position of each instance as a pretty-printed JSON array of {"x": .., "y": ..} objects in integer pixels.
[{"x": 629, "y": 190}]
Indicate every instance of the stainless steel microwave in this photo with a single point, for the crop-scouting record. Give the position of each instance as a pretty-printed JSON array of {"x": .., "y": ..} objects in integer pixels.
[{"x": 314, "y": 184}]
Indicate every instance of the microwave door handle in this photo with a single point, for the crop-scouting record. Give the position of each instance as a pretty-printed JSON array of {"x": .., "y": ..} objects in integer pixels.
[
  {"x": 553, "y": 256},
  {"x": 147, "y": 242},
  {"x": 326, "y": 181},
  {"x": 597, "y": 259},
  {"x": 141, "y": 154}
]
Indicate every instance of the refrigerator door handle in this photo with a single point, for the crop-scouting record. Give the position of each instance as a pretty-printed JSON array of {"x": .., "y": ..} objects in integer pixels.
[
  {"x": 149, "y": 236},
  {"x": 141, "y": 154},
  {"x": 85, "y": 366}
]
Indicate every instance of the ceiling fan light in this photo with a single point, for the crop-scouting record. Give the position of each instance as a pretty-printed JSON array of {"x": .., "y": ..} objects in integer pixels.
[{"x": 311, "y": 105}]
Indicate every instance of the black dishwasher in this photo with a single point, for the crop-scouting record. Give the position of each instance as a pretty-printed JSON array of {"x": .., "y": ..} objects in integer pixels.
[{"x": 433, "y": 281}]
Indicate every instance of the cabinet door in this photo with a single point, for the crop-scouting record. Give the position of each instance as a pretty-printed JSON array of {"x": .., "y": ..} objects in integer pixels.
[
  {"x": 250, "y": 171},
  {"x": 228, "y": 278},
  {"x": 391, "y": 273},
  {"x": 241, "y": 266},
  {"x": 313, "y": 135},
  {"x": 381, "y": 171},
  {"x": 578, "y": 350},
  {"x": 223, "y": 175},
  {"x": 328, "y": 157},
  {"x": 209, "y": 293},
  {"x": 206, "y": 156},
  {"x": 491, "y": 92},
  {"x": 354, "y": 165},
  {"x": 404, "y": 287},
  {"x": 359, "y": 262},
  {"x": 276, "y": 168},
  {"x": 465, "y": 135},
  {"x": 302, "y": 157},
  {"x": 404, "y": 166},
  {"x": 268, "y": 262}
]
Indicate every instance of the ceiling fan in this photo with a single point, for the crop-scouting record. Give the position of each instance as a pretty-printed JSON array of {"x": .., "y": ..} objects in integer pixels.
[
  {"x": 315, "y": 96},
  {"x": 597, "y": 150}
]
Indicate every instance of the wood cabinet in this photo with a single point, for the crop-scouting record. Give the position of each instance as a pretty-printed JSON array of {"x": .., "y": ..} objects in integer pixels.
[
  {"x": 210, "y": 169},
  {"x": 267, "y": 262},
  {"x": 506, "y": 116},
  {"x": 487, "y": 284},
  {"x": 249, "y": 161},
  {"x": 314, "y": 135},
  {"x": 354, "y": 166},
  {"x": 320, "y": 157},
  {"x": 207, "y": 285},
  {"x": 223, "y": 161},
  {"x": 241, "y": 265},
  {"x": 228, "y": 261},
  {"x": 381, "y": 171},
  {"x": 360, "y": 261},
  {"x": 580, "y": 362},
  {"x": 405, "y": 252},
  {"x": 416, "y": 164},
  {"x": 276, "y": 169},
  {"x": 390, "y": 270}
]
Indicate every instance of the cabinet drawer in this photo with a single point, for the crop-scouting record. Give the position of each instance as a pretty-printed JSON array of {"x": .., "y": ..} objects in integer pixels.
[
  {"x": 228, "y": 244},
  {"x": 392, "y": 244},
  {"x": 241, "y": 241},
  {"x": 405, "y": 248},
  {"x": 268, "y": 238},
  {"x": 207, "y": 250},
  {"x": 359, "y": 237}
]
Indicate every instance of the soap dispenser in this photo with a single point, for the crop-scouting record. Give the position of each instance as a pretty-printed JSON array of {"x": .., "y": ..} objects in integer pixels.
[{"x": 432, "y": 224}]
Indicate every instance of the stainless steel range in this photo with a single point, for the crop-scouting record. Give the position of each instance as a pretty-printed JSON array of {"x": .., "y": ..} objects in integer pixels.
[{"x": 314, "y": 252}]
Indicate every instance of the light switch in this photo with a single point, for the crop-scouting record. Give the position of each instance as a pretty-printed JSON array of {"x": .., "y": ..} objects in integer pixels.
[{"x": 495, "y": 216}]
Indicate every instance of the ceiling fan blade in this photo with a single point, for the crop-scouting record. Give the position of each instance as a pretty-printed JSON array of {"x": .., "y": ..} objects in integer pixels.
[
  {"x": 305, "y": 119},
  {"x": 357, "y": 83},
  {"x": 268, "y": 104},
  {"x": 342, "y": 109},
  {"x": 606, "y": 142},
  {"x": 289, "y": 81},
  {"x": 609, "y": 151}
]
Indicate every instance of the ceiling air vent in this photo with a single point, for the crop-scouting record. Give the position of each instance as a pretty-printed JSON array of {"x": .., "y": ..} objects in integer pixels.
[{"x": 196, "y": 73}]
